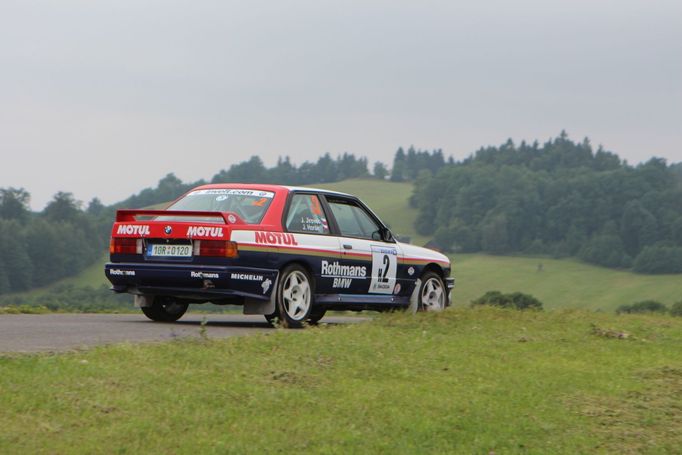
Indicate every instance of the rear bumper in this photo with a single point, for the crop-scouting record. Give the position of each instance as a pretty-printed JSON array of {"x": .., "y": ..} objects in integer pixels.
[{"x": 191, "y": 282}]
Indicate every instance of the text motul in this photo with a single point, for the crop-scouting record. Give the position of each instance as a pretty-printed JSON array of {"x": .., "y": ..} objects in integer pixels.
[
  {"x": 275, "y": 238},
  {"x": 133, "y": 229},
  {"x": 203, "y": 231}
]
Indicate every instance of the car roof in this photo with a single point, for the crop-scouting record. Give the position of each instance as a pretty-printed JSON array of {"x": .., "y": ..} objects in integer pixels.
[{"x": 267, "y": 187}]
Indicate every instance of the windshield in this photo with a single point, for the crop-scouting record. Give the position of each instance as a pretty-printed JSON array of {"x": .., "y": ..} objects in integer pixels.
[{"x": 250, "y": 205}]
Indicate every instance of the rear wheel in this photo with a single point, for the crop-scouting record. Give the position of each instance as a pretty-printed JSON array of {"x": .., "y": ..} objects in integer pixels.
[
  {"x": 294, "y": 296},
  {"x": 272, "y": 318},
  {"x": 165, "y": 309},
  {"x": 431, "y": 293}
]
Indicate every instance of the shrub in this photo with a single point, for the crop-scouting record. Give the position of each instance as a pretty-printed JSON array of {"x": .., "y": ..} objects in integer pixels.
[
  {"x": 646, "y": 306},
  {"x": 676, "y": 309},
  {"x": 516, "y": 300},
  {"x": 659, "y": 259}
]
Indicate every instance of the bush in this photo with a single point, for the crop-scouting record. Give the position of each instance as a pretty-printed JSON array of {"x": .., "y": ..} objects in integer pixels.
[
  {"x": 659, "y": 259},
  {"x": 676, "y": 309},
  {"x": 516, "y": 300},
  {"x": 646, "y": 306}
]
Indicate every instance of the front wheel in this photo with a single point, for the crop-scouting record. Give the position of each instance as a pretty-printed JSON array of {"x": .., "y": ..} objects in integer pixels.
[
  {"x": 431, "y": 293},
  {"x": 294, "y": 296},
  {"x": 316, "y": 314},
  {"x": 165, "y": 309}
]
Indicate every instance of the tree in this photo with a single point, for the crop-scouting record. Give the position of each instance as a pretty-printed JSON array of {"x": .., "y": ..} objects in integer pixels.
[
  {"x": 380, "y": 170},
  {"x": 398, "y": 170},
  {"x": 95, "y": 207},
  {"x": 14, "y": 203},
  {"x": 63, "y": 207},
  {"x": 658, "y": 259}
]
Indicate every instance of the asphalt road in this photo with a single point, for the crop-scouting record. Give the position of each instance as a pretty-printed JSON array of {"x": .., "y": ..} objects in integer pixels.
[{"x": 25, "y": 333}]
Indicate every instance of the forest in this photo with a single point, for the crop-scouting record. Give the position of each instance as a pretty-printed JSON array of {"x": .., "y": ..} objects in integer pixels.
[
  {"x": 561, "y": 198},
  {"x": 40, "y": 248}
]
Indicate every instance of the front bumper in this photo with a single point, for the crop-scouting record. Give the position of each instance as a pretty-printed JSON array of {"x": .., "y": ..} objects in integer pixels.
[{"x": 191, "y": 281}]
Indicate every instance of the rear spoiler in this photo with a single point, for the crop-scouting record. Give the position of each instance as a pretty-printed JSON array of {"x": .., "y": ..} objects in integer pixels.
[{"x": 129, "y": 215}]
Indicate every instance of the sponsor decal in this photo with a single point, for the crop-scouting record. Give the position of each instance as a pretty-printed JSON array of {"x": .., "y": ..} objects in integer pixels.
[
  {"x": 334, "y": 269},
  {"x": 410, "y": 271},
  {"x": 203, "y": 275},
  {"x": 275, "y": 238},
  {"x": 119, "y": 272},
  {"x": 232, "y": 218},
  {"x": 204, "y": 231},
  {"x": 343, "y": 283},
  {"x": 266, "y": 285},
  {"x": 233, "y": 192},
  {"x": 221, "y": 198},
  {"x": 246, "y": 277},
  {"x": 133, "y": 229}
]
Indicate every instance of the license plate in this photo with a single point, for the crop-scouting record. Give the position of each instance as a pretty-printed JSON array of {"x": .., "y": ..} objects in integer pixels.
[{"x": 173, "y": 251}]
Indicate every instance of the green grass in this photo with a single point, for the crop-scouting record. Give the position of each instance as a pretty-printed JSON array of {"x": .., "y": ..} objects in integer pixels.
[
  {"x": 463, "y": 381},
  {"x": 562, "y": 283}
]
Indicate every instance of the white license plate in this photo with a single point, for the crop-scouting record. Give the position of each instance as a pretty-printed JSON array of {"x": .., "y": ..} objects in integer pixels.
[{"x": 173, "y": 251}]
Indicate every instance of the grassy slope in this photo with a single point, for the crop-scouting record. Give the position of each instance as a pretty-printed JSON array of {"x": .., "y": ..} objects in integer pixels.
[
  {"x": 463, "y": 381},
  {"x": 561, "y": 283}
]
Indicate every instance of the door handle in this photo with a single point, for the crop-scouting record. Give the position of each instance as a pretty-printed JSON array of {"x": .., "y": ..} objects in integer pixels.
[{"x": 347, "y": 246}]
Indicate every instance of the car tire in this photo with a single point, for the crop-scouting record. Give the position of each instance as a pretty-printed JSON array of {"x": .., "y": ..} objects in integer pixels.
[
  {"x": 165, "y": 309},
  {"x": 432, "y": 293},
  {"x": 294, "y": 296},
  {"x": 316, "y": 314}
]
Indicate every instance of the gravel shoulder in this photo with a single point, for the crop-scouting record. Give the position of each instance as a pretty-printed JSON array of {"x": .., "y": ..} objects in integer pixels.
[{"x": 29, "y": 333}]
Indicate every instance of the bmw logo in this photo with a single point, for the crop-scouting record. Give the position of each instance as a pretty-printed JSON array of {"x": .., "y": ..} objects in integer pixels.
[{"x": 168, "y": 230}]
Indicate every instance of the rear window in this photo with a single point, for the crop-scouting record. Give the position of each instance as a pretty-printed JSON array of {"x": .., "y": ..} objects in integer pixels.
[{"x": 250, "y": 205}]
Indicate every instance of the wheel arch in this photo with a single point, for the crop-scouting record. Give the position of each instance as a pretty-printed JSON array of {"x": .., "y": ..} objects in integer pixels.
[
  {"x": 300, "y": 262},
  {"x": 436, "y": 268}
]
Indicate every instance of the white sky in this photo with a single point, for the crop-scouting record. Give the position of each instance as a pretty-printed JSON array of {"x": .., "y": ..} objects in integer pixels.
[{"x": 104, "y": 98}]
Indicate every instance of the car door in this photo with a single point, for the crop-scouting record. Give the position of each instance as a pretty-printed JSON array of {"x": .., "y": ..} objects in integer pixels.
[
  {"x": 369, "y": 262},
  {"x": 307, "y": 220}
]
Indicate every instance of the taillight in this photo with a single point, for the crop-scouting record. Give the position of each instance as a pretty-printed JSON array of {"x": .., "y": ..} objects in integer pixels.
[
  {"x": 220, "y": 248},
  {"x": 125, "y": 246}
]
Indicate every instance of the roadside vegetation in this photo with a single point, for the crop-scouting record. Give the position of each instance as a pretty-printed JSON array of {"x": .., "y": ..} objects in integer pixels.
[{"x": 468, "y": 380}]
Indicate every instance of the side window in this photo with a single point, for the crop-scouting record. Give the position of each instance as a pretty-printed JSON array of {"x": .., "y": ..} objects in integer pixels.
[
  {"x": 353, "y": 220},
  {"x": 306, "y": 215}
]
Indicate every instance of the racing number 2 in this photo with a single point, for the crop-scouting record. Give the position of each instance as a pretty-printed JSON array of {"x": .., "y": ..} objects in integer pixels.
[
  {"x": 383, "y": 272},
  {"x": 384, "y": 269}
]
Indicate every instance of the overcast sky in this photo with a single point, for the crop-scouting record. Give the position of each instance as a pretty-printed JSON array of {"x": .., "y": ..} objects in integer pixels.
[{"x": 103, "y": 98}]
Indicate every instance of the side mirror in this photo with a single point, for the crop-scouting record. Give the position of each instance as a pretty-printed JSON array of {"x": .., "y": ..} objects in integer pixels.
[{"x": 386, "y": 235}]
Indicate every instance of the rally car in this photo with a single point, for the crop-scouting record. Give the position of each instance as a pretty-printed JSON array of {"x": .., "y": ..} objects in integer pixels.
[{"x": 287, "y": 253}]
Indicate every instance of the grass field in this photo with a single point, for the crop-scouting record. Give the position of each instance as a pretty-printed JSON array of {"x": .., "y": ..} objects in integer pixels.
[
  {"x": 462, "y": 381},
  {"x": 562, "y": 283}
]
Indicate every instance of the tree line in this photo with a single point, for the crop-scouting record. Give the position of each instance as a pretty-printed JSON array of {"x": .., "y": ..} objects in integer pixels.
[
  {"x": 561, "y": 198},
  {"x": 60, "y": 241}
]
